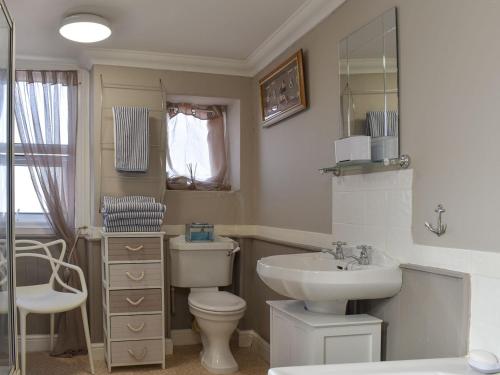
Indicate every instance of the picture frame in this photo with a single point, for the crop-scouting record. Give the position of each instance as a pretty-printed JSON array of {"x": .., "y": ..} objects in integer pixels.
[{"x": 282, "y": 91}]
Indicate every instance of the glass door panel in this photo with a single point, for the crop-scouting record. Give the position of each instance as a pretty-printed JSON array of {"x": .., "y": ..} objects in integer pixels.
[{"x": 7, "y": 358}]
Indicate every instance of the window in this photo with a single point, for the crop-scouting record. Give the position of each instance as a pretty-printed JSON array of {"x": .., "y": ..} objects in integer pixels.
[
  {"x": 51, "y": 146},
  {"x": 197, "y": 147}
]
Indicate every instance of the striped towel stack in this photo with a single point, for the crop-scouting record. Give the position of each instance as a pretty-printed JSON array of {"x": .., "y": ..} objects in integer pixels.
[{"x": 133, "y": 213}]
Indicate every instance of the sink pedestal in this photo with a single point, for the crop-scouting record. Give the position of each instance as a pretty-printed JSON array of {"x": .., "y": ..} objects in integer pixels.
[
  {"x": 299, "y": 337},
  {"x": 336, "y": 307}
]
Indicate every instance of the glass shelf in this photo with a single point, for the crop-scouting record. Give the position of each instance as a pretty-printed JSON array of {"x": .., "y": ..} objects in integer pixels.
[{"x": 367, "y": 166}]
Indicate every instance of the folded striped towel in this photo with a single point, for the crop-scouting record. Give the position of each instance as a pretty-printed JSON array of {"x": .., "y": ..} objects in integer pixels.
[
  {"x": 106, "y": 200},
  {"x": 134, "y": 206},
  {"x": 131, "y": 139},
  {"x": 134, "y": 215},
  {"x": 375, "y": 123},
  {"x": 124, "y": 222},
  {"x": 134, "y": 228}
]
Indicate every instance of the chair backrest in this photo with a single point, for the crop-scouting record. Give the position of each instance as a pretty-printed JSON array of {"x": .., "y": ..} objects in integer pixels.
[{"x": 32, "y": 248}]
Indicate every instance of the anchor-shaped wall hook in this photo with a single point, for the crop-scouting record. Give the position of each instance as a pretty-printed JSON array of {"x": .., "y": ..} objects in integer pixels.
[{"x": 441, "y": 228}]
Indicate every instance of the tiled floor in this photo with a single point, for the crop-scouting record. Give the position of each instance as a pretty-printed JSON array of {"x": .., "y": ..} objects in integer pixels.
[{"x": 185, "y": 361}]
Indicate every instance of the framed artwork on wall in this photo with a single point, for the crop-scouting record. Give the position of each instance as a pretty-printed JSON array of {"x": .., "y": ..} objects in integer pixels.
[{"x": 282, "y": 91}]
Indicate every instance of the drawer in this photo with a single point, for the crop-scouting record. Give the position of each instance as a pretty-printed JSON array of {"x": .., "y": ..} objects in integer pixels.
[
  {"x": 126, "y": 275},
  {"x": 136, "y": 327},
  {"x": 134, "y": 248},
  {"x": 136, "y": 352},
  {"x": 135, "y": 300}
]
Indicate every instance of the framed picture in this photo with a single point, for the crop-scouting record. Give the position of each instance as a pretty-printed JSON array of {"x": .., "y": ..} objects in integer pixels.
[{"x": 282, "y": 91}]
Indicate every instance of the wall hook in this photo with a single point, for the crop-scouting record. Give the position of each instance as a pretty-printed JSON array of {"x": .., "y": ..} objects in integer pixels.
[{"x": 440, "y": 229}]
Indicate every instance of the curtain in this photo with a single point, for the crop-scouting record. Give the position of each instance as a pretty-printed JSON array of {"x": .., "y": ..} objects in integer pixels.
[
  {"x": 45, "y": 107},
  {"x": 197, "y": 147}
]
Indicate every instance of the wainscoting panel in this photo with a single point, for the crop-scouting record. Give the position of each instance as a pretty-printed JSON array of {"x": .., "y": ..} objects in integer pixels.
[{"x": 429, "y": 318}]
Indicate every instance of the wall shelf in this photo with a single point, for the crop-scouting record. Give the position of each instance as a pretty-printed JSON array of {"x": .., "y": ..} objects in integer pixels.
[{"x": 358, "y": 167}]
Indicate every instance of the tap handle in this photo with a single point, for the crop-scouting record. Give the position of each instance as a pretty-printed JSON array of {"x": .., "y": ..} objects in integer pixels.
[
  {"x": 339, "y": 243},
  {"x": 364, "y": 249}
]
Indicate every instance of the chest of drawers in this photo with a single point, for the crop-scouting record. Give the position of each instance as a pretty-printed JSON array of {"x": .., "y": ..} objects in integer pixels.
[{"x": 133, "y": 298}]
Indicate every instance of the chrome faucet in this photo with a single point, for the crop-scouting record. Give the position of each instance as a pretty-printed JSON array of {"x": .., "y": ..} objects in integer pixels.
[
  {"x": 339, "y": 251},
  {"x": 363, "y": 255}
]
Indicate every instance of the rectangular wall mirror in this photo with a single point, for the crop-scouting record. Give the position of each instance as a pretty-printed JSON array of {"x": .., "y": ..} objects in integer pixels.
[{"x": 369, "y": 97}]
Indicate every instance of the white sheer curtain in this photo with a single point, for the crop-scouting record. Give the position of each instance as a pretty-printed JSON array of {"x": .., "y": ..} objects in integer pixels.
[
  {"x": 197, "y": 147},
  {"x": 45, "y": 107}
]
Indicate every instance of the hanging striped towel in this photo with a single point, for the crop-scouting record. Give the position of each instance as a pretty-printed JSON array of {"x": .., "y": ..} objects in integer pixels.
[
  {"x": 375, "y": 123},
  {"x": 131, "y": 139}
]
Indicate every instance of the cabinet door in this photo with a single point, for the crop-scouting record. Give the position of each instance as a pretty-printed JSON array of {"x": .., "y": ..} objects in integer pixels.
[{"x": 290, "y": 342}]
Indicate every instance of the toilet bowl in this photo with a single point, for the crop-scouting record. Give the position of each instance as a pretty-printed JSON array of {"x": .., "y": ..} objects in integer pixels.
[
  {"x": 217, "y": 314},
  {"x": 203, "y": 267}
]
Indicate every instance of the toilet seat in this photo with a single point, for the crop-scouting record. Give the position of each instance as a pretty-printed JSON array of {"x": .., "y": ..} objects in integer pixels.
[{"x": 216, "y": 302}]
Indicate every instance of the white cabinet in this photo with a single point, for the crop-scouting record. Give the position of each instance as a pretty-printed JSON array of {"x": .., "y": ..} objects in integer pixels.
[{"x": 300, "y": 337}]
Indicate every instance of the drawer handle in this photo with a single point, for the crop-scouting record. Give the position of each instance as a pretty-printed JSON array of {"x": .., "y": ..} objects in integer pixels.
[
  {"x": 135, "y": 303},
  {"x": 135, "y": 278},
  {"x": 138, "y": 248},
  {"x": 136, "y": 329},
  {"x": 139, "y": 357}
]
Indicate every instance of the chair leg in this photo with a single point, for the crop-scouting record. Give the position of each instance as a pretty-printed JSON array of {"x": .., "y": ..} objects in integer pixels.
[
  {"x": 52, "y": 332},
  {"x": 22, "y": 324},
  {"x": 87, "y": 336}
]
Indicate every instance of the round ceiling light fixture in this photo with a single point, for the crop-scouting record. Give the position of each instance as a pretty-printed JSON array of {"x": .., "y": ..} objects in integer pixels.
[{"x": 85, "y": 28}]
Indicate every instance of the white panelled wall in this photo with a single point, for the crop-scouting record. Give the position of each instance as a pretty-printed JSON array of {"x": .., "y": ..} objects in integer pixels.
[{"x": 376, "y": 209}]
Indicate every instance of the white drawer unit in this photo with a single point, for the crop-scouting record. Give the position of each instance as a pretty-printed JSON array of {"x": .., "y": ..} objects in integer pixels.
[
  {"x": 300, "y": 337},
  {"x": 133, "y": 298}
]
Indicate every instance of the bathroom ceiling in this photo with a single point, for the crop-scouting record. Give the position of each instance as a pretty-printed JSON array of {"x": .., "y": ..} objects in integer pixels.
[{"x": 211, "y": 28}]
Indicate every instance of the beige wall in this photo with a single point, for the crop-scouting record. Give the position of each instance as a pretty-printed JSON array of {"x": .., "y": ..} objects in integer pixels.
[
  {"x": 182, "y": 206},
  {"x": 449, "y": 80}
]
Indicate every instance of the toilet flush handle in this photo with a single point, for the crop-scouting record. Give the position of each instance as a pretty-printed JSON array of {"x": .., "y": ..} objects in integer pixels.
[{"x": 234, "y": 251}]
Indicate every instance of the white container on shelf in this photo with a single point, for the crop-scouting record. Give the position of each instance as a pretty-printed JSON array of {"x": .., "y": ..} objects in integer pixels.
[
  {"x": 384, "y": 148},
  {"x": 356, "y": 148}
]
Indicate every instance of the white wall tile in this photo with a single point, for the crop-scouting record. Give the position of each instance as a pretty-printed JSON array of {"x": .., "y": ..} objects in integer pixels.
[
  {"x": 352, "y": 234},
  {"x": 376, "y": 208},
  {"x": 349, "y": 207},
  {"x": 399, "y": 208}
]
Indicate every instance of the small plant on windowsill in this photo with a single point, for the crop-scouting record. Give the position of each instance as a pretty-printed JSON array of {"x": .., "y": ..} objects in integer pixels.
[{"x": 192, "y": 176}]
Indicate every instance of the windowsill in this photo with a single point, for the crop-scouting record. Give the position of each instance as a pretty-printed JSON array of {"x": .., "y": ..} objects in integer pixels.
[
  {"x": 204, "y": 191},
  {"x": 32, "y": 224}
]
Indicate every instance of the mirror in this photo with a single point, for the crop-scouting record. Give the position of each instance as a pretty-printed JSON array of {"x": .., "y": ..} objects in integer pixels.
[{"x": 369, "y": 97}]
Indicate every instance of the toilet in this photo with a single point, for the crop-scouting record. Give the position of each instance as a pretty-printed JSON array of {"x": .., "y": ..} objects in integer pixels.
[{"x": 204, "y": 267}]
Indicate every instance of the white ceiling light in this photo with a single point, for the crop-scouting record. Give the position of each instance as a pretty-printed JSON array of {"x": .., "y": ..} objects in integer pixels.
[{"x": 85, "y": 28}]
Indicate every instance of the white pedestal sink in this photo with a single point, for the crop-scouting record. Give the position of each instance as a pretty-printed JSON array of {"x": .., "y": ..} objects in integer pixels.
[{"x": 325, "y": 284}]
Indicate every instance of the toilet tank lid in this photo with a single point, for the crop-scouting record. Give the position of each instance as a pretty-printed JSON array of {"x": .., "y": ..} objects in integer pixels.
[{"x": 219, "y": 243}]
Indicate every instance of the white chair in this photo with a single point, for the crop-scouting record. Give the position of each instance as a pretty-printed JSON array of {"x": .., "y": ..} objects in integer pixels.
[{"x": 44, "y": 299}]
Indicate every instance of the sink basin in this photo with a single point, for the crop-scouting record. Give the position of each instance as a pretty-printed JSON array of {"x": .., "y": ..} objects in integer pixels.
[{"x": 325, "y": 284}]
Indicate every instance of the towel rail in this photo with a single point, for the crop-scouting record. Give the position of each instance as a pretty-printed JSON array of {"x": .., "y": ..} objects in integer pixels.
[{"x": 159, "y": 195}]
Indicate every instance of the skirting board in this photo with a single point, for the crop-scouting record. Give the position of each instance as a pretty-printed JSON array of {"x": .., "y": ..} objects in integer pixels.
[
  {"x": 252, "y": 339},
  {"x": 180, "y": 337}
]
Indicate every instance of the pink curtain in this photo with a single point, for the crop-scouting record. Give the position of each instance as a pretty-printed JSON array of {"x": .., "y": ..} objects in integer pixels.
[{"x": 216, "y": 139}]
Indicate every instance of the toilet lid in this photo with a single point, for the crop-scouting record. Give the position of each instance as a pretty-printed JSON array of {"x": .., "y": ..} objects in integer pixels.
[{"x": 216, "y": 301}]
